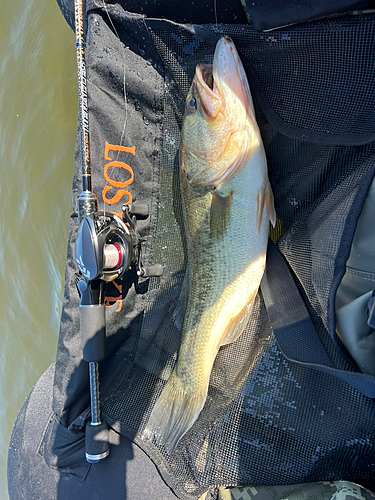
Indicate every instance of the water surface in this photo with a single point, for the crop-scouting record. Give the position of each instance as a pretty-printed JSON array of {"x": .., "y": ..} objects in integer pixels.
[{"x": 38, "y": 114}]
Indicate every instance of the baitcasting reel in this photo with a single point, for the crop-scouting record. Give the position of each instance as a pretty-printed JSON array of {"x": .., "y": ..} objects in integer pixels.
[{"x": 106, "y": 246}]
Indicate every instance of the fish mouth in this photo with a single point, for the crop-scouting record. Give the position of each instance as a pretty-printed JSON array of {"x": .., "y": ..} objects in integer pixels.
[
  {"x": 205, "y": 76},
  {"x": 227, "y": 69},
  {"x": 210, "y": 101}
]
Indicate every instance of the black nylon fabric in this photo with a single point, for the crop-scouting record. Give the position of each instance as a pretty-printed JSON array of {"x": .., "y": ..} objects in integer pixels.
[
  {"x": 267, "y": 420},
  {"x": 271, "y": 14},
  {"x": 265, "y": 15},
  {"x": 222, "y": 11}
]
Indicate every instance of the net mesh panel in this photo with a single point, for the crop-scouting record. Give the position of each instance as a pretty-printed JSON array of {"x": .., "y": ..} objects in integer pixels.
[
  {"x": 267, "y": 420},
  {"x": 335, "y": 99}
]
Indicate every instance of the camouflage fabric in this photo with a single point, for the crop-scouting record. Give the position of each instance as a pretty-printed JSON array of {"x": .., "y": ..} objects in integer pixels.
[{"x": 334, "y": 490}]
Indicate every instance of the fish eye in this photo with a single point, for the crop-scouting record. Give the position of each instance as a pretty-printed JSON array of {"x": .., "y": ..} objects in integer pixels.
[{"x": 191, "y": 105}]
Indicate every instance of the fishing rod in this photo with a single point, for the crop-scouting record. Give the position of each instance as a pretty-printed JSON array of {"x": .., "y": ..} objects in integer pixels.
[{"x": 106, "y": 248}]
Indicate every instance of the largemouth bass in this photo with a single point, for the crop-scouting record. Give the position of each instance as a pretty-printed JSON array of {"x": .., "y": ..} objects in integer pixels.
[{"x": 228, "y": 204}]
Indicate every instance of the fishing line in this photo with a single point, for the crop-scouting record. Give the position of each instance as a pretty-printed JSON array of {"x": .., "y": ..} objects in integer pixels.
[
  {"x": 215, "y": 9},
  {"x": 82, "y": 82},
  {"x": 124, "y": 76}
]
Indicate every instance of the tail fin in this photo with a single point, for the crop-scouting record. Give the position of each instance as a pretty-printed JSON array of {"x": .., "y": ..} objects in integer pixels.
[{"x": 174, "y": 413}]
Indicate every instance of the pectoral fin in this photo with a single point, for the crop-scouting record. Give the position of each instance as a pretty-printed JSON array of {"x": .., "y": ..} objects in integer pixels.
[
  {"x": 265, "y": 198},
  {"x": 220, "y": 214}
]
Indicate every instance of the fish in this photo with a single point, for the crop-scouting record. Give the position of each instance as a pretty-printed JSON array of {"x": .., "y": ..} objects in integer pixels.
[{"x": 227, "y": 206}]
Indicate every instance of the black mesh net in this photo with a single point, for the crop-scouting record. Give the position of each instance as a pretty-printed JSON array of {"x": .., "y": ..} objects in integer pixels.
[{"x": 267, "y": 420}]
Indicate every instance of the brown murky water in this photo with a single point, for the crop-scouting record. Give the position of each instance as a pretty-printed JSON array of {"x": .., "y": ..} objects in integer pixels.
[{"x": 38, "y": 115}]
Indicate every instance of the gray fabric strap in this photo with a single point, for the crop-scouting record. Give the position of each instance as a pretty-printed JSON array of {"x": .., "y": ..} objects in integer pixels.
[{"x": 293, "y": 328}]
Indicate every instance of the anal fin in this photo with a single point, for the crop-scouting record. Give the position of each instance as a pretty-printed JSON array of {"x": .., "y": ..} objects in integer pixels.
[
  {"x": 270, "y": 205},
  {"x": 236, "y": 326}
]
